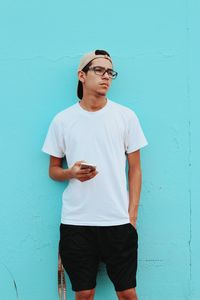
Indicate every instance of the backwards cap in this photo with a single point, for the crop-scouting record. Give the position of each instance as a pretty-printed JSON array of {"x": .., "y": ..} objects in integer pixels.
[{"x": 88, "y": 57}]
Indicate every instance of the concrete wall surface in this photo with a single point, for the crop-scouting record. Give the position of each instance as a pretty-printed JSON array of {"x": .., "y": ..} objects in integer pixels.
[{"x": 155, "y": 48}]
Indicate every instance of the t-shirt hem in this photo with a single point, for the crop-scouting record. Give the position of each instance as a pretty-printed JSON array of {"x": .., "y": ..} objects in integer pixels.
[{"x": 95, "y": 223}]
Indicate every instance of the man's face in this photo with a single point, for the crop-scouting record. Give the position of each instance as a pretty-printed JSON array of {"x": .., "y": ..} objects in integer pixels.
[{"x": 94, "y": 84}]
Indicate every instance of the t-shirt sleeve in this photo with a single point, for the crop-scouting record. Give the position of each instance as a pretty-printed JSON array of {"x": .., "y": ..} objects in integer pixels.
[
  {"x": 135, "y": 138},
  {"x": 54, "y": 142}
]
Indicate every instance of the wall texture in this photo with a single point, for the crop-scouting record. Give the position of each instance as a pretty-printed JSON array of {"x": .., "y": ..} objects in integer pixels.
[{"x": 155, "y": 48}]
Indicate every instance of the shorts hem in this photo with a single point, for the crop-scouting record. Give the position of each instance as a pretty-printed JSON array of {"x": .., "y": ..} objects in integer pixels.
[
  {"x": 83, "y": 288},
  {"x": 123, "y": 288}
]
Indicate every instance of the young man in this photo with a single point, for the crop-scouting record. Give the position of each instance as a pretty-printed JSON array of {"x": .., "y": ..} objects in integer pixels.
[{"x": 98, "y": 215}]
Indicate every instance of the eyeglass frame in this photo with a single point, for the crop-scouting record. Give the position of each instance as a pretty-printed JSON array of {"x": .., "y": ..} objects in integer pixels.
[{"x": 92, "y": 68}]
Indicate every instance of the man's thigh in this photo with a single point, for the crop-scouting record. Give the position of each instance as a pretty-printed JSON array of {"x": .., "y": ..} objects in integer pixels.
[
  {"x": 119, "y": 249},
  {"x": 79, "y": 255}
]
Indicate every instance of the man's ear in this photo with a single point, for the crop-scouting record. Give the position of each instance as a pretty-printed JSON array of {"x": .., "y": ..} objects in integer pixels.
[{"x": 81, "y": 76}]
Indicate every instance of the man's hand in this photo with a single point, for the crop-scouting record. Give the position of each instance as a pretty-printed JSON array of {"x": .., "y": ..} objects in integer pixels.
[
  {"x": 133, "y": 221},
  {"x": 82, "y": 174}
]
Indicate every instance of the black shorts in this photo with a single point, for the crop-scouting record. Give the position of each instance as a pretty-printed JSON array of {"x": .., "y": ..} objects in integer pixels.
[{"x": 83, "y": 247}]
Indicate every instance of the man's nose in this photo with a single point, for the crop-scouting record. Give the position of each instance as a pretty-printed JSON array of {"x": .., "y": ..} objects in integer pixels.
[{"x": 105, "y": 75}]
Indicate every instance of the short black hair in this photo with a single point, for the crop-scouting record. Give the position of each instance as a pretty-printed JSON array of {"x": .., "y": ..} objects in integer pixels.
[{"x": 85, "y": 70}]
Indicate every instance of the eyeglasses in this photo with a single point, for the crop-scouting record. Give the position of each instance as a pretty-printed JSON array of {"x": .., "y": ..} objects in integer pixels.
[{"x": 101, "y": 71}]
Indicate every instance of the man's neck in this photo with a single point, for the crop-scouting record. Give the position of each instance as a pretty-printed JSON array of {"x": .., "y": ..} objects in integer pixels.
[{"x": 93, "y": 103}]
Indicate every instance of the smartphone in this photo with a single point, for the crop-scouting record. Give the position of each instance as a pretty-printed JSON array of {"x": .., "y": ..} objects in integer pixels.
[{"x": 88, "y": 166}]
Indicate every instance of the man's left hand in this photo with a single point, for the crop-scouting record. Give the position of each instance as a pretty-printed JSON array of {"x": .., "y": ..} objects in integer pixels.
[{"x": 133, "y": 222}]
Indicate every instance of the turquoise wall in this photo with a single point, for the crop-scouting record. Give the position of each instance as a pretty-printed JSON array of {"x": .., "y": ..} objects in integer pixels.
[{"x": 155, "y": 47}]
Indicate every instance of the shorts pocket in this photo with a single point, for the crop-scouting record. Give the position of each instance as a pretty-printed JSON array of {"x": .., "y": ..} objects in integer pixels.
[{"x": 133, "y": 228}]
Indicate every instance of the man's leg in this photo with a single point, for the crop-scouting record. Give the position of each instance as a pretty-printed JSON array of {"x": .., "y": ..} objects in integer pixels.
[
  {"x": 80, "y": 258},
  {"x": 129, "y": 294},
  {"x": 85, "y": 295},
  {"x": 119, "y": 248}
]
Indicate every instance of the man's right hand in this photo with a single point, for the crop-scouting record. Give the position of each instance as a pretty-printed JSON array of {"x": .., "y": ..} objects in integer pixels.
[{"x": 82, "y": 174}]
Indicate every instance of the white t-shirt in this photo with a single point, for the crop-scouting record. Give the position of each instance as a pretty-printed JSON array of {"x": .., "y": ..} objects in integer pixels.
[{"x": 101, "y": 138}]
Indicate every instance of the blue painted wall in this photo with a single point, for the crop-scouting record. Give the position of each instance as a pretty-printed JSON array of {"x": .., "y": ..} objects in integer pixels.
[{"x": 155, "y": 48}]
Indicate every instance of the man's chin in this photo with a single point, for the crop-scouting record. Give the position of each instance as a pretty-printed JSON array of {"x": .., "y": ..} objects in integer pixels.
[{"x": 100, "y": 93}]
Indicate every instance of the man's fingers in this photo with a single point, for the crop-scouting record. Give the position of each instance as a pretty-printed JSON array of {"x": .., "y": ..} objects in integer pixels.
[
  {"x": 88, "y": 177},
  {"x": 78, "y": 163},
  {"x": 85, "y": 171}
]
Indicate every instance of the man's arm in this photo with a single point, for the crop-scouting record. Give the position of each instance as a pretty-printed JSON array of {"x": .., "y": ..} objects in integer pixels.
[
  {"x": 57, "y": 172},
  {"x": 134, "y": 182}
]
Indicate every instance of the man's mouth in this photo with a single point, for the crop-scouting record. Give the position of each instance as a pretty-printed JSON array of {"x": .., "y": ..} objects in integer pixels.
[{"x": 104, "y": 84}]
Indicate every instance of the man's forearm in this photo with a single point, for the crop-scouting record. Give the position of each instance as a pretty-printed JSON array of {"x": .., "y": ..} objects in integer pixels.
[
  {"x": 60, "y": 174},
  {"x": 134, "y": 181}
]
